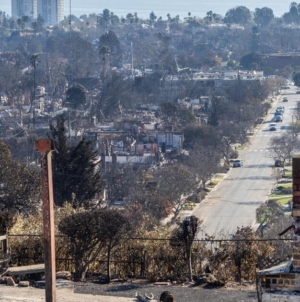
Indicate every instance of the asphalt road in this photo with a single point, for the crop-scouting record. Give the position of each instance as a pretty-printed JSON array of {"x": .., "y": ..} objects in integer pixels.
[{"x": 233, "y": 202}]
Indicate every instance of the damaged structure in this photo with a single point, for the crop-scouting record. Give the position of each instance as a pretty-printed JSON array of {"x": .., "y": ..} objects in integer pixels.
[{"x": 281, "y": 283}]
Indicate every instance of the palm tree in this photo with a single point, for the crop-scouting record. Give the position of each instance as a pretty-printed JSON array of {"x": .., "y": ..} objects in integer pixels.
[{"x": 105, "y": 59}]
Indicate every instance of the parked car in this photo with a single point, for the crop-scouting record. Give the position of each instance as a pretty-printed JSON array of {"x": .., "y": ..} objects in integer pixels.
[
  {"x": 285, "y": 99},
  {"x": 298, "y": 92},
  {"x": 278, "y": 118},
  {"x": 285, "y": 87},
  {"x": 278, "y": 163},
  {"x": 237, "y": 163},
  {"x": 272, "y": 127}
]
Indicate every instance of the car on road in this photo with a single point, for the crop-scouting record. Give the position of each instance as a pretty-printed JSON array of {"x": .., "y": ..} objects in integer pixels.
[
  {"x": 272, "y": 127},
  {"x": 285, "y": 87},
  {"x": 278, "y": 112},
  {"x": 280, "y": 108},
  {"x": 237, "y": 163},
  {"x": 285, "y": 99},
  {"x": 278, "y": 163},
  {"x": 278, "y": 118},
  {"x": 298, "y": 92}
]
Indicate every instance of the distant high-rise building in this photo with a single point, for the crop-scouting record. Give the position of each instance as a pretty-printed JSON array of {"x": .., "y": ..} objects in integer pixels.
[
  {"x": 20, "y": 8},
  {"x": 52, "y": 11}
]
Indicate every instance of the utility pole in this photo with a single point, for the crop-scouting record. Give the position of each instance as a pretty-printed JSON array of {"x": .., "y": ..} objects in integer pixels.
[
  {"x": 131, "y": 60},
  {"x": 45, "y": 147},
  {"x": 34, "y": 63},
  {"x": 69, "y": 124}
]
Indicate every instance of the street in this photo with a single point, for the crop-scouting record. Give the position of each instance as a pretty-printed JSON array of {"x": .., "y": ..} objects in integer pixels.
[{"x": 233, "y": 202}]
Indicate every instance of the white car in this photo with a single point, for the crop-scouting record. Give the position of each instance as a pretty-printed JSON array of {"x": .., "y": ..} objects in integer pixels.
[{"x": 272, "y": 127}]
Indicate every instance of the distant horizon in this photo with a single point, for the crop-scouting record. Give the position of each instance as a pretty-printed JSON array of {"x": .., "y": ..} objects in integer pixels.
[{"x": 161, "y": 9}]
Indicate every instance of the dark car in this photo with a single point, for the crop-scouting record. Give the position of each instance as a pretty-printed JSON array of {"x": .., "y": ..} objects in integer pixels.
[
  {"x": 278, "y": 163},
  {"x": 278, "y": 118},
  {"x": 237, "y": 163}
]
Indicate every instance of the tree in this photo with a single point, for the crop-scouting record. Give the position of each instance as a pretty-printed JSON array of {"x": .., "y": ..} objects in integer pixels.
[
  {"x": 282, "y": 147},
  {"x": 263, "y": 16},
  {"x": 269, "y": 213},
  {"x": 254, "y": 39},
  {"x": 111, "y": 40},
  {"x": 239, "y": 15},
  {"x": 114, "y": 227},
  {"x": 77, "y": 166},
  {"x": 184, "y": 235},
  {"x": 204, "y": 161},
  {"x": 152, "y": 18},
  {"x": 76, "y": 96},
  {"x": 82, "y": 229},
  {"x": 104, "y": 19},
  {"x": 7, "y": 220},
  {"x": 248, "y": 60},
  {"x": 25, "y": 20},
  {"x": 130, "y": 18},
  {"x": 296, "y": 79},
  {"x": 105, "y": 62},
  {"x": 115, "y": 92},
  {"x": 244, "y": 251},
  {"x": 20, "y": 186},
  {"x": 174, "y": 183}
]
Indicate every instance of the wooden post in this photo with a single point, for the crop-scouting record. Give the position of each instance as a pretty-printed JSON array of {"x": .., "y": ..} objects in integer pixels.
[{"x": 45, "y": 146}]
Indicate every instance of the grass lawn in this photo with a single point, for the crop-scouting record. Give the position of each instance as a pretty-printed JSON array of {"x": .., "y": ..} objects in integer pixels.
[
  {"x": 219, "y": 176},
  {"x": 279, "y": 195},
  {"x": 287, "y": 185},
  {"x": 189, "y": 206},
  {"x": 287, "y": 174},
  {"x": 213, "y": 183},
  {"x": 282, "y": 201},
  {"x": 282, "y": 189},
  {"x": 240, "y": 148}
]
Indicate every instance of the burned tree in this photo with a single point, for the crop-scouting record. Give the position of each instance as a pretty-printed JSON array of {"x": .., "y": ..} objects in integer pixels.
[{"x": 184, "y": 237}]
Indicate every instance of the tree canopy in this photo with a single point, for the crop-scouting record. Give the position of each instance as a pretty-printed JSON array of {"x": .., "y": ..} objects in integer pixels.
[
  {"x": 20, "y": 186},
  {"x": 91, "y": 231},
  {"x": 111, "y": 40},
  {"x": 76, "y": 96},
  {"x": 238, "y": 15},
  {"x": 76, "y": 174},
  {"x": 263, "y": 16},
  {"x": 296, "y": 79}
]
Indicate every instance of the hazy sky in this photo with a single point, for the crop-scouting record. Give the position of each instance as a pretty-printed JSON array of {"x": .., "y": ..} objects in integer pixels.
[{"x": 162, "y": 8}]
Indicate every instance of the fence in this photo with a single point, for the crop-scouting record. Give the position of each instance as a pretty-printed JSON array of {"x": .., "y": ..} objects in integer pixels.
[{"x": 159, "y": 258}]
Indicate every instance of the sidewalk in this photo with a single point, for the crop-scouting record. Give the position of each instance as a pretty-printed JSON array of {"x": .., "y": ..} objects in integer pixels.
[{"x": 31, "y": 294}]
